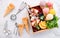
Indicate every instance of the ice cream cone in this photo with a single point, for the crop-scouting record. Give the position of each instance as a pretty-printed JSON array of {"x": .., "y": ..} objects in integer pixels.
[
  {"x": 21, "y": 27},
  {"x": 25, "y": 21},
  {"x": 9, "y": 9}
]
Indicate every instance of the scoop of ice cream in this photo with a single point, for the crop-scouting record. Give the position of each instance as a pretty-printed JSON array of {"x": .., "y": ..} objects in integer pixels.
[
  {"x": 49, "y": 17},
  {"x": 52, "y": 11},
  {"x": 45, "y": 11},
  {"x": 42, "y": 4},
  {"x": 49, "y": 4}
]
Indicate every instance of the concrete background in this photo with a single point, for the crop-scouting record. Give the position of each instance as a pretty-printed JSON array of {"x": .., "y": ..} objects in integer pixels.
[{"x": 53, "y": 33}]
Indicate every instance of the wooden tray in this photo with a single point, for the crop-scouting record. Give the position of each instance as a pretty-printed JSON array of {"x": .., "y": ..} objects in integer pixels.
[{"x": 37, "y": 7}]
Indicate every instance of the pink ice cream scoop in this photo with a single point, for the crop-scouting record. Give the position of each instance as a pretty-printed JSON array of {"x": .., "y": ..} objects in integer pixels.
[
  {"x": 49, "y": 4},
  {"x": 45, "y": 11},
  {"x": 42, "y": 4}
]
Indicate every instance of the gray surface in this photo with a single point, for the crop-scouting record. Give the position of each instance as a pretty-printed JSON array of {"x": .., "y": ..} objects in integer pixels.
[{"x": 11, "y": 24}]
